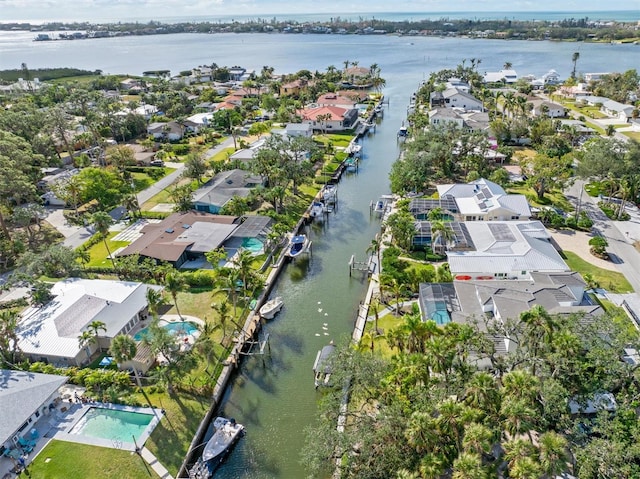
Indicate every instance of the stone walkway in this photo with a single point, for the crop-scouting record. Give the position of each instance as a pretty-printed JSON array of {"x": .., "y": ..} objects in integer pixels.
[
  {"x": 155, "y": 464},
  {"x": 132, "y": 232}
]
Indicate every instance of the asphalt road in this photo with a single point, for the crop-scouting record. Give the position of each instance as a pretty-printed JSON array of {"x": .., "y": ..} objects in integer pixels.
[{"x": 620, "y": 249}]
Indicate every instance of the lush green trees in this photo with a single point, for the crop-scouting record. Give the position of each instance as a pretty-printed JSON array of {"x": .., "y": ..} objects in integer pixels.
[
  {"x": 545, "y": 173},
  {"x": 424, "y": 409},
  {"x": 174, "y": 283}
]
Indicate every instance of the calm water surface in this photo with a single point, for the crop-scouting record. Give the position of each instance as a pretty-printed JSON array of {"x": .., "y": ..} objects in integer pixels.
[{"x": 276, "y": 402}]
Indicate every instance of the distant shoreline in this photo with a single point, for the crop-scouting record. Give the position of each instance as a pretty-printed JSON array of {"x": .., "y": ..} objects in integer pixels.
[
  {"x": 569, "y": 29},
  {"x": 542, "y": 15}
]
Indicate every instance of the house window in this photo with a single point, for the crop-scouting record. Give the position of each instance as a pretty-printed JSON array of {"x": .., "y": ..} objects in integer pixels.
[
  {"x": 523, "y": 273},
  {"x": 501, "y": 275},
  {"x": 515, "y": 217}
]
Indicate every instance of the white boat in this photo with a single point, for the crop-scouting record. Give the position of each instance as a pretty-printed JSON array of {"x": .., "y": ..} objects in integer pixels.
[
  {"x": 403, "y": 132},
  {"x": 321, "y": 366},
  {"x": 271, "y": 308},
  {"x": 329, "y": 193},
  {"x": 226, "y": 433},
  {"x": 297, "y": 246},
  {"x": 383, "y": 204},
  {"x": 317, "y": 210}
]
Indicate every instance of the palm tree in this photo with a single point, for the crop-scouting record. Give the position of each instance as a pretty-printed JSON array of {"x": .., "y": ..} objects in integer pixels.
[
  {"x": 574, "y": 59},
  {"x": 101, "y": 222},
  {"x": 507, "y": 66},
  {"x": 374, "y": 248},
  {"x": 553, "y": 453},
  {"x": 85, "y": 340},
  {"x": 155, "y": 299},
  {"x": 539, "y": 330},
  {"x": 441, "y": 236},
  {"x": 123, "y": 348},
  {"x": 84, "y": 256},
  {"x": 477, "y": 439},
  {"x": 468, "y": 466},
  {"x": 175, "y": 283},
  {"x": 95, "y": 327},
  {"x": 242, "y": 262}
]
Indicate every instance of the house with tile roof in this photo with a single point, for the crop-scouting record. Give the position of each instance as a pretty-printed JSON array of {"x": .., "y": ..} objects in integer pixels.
[
  {"x": 333, "y": 99},
  {"x": 50, "y": 333},
  {"x": 339, "y": 119},
  {"x": 25, "y": 397}
]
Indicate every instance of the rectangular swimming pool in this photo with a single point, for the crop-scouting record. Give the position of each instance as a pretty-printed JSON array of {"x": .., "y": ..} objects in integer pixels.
[{"x": 112, "y": 424}]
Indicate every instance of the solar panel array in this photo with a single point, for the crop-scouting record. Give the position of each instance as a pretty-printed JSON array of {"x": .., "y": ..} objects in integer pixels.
[
  {"x": 502, "y": 232},
  {"x": 422, "y": 205},
  {"x": 461, "y": 238}
]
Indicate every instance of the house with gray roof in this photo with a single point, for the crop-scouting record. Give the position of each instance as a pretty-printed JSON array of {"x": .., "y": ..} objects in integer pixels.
[
  {"x": 454, "y": 98},
  {"x": 506, "y": 250},
  {"x": 484, "y": 302},
  {"x": 484, "y": 200},
  {"x": 50, "y": 333},
  {"x": 25, "y": 397},
  {"x": 218, "y": 191}
]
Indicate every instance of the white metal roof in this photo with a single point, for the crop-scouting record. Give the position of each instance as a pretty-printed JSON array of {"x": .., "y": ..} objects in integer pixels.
[{"x": 54, "y": 329}]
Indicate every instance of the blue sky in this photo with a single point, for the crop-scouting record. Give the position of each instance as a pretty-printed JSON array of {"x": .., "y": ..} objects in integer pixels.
[{"x": 43, "y": 10}]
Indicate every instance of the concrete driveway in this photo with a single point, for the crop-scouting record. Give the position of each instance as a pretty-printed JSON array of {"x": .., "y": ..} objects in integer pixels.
[{"x": 620, "y": 249}]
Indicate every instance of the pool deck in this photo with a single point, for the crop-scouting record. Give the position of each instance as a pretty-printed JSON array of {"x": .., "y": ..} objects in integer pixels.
[{"x": 58, "y": 423}]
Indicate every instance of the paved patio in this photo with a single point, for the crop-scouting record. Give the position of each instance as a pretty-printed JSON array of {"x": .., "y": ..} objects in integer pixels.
[{"x": 578, "y": 242}]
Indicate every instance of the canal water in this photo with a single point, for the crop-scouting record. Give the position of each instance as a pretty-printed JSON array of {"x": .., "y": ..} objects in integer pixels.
[{"x": 277, "y": 401}]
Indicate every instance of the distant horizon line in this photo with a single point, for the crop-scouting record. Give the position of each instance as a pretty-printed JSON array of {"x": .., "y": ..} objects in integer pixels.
[{"x": 495, "y": 14}]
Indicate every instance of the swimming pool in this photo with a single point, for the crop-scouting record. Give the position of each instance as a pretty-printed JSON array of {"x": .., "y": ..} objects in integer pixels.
[
  {"x": 253, "y": 244},
  {"x": 176, "y": 328},
  {"x": 112, "y": 424}
]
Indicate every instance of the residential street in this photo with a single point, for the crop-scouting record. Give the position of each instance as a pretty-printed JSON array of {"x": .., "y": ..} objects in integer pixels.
[
  {"x": 619, "y": 234},
  {"x": 75, "y": 235}
]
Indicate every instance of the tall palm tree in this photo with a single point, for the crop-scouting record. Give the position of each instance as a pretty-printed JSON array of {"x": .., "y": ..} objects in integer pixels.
[
  {"x": 242, "y": 261},
  {"x": 155, "y": 299},
  {"x": 95, "y": 327},
  {"x": 574, "y": 58},
  {"x": 174, "y": 282},
  {"x": 374, "y": 248},
  {"x": 477, "y": 439},
  {"x": 123, "y": 348},
  {"x": 441, "y": 236},
  {"x": 101, "y": 222}
]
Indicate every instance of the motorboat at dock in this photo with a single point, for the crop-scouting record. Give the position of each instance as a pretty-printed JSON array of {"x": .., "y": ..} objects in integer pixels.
[
  {"x": 271, "y": 308},
  {"x": 226, "y": 433}
]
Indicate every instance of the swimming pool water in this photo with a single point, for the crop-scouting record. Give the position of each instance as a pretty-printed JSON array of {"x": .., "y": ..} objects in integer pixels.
[
  {"x": 112, "y": 424},
  {"x": 178, "y": 327},
  {"x": 253, "y": 244}
]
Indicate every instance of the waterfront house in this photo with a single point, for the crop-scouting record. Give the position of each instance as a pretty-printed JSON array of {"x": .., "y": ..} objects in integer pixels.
[
  {"x": 502, "y": 76},
  {"x": 506, "y": 250},
  {"x": 25, "y": 398},
  {"x": 293, "y": 88},
  {"x": 336, "y": 118},
  {"x": 217, "y": 192},
  {"x": 50, "y": 333},
  {"x": 332, "y": 99},
  {"x": 182, "y": 239},
  {"x": 442, "y": 116},
  {"x": 454, "y": 98}
]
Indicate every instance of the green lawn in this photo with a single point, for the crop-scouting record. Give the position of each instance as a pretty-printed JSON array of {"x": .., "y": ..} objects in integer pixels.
[
  {"x": 170, "y": 440},
  {"x": 223, "y": 155},
  {"x": 68, "y": 460},
  {"x": 554, "y": 197},
  {"x": 634, "y": 135},
  {"x": 162, "y": 196},
  {"x": 99, "y": 253},
  {"x": 610, "y": 280}
]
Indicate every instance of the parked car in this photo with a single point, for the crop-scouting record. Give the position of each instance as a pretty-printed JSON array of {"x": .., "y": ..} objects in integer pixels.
[{"x": 156, "y": 163}]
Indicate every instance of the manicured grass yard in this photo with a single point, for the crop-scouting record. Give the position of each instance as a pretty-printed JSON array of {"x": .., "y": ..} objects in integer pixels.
[
  {"x": 610, "y": 280},
  {"x": 634, "y": 135},
  {"x": 170, "y": 440},
  {"x": 99, "y": 253},
  {"x": 222, "y": 155},
  {"x": 554, "y": 197},
  {"x": 68, "y": 460}
]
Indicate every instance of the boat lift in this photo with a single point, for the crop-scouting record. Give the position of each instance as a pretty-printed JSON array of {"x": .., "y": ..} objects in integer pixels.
[
  {"x": 363, "y": 266},
  {"x": 257, "y": 347}
]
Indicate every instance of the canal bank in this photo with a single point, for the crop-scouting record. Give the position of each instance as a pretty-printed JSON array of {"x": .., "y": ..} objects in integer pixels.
[{"x": 277, "y": 402}]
